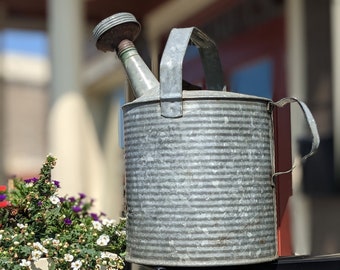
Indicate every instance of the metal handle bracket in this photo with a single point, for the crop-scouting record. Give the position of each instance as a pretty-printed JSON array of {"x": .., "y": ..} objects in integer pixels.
[{"x": 171, "y": 67}]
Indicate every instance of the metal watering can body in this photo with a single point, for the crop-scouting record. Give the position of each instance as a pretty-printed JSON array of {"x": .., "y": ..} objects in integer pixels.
[{"x": 199, "y": 167}]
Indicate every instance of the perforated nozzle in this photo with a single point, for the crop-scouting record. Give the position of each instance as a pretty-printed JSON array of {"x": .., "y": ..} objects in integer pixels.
[{"x": 111, "y": 31}]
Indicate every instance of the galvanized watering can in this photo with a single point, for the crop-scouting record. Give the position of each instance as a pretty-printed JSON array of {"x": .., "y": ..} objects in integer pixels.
[{"x": 199, "y": 163}]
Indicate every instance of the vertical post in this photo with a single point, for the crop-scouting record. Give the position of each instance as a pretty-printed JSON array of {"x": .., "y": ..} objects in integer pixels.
[
  {"x": 335, "y": 34},
  {"x": 296, "y": 62},
  {"x": 296, "y": 85},
  {"x": 2, "y": 124},
  {"x": 2, "y": 111},
  {"x": 66, "y": 35},
  {"x": 65, "y": 25}
]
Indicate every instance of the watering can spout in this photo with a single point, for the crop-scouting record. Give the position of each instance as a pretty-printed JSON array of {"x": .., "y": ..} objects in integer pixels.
[{"x": 117, "y": 33}]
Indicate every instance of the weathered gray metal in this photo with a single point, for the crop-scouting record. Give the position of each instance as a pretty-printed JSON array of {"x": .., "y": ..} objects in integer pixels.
[
  {"x": 199, "y": 167},
  {"x": 116, "y": 33},
  {"x": 171, "y": 67},
  {"x": 199, "y": 187}
]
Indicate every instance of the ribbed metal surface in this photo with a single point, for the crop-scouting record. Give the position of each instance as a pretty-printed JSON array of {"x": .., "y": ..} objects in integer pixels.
[
  {"x": 113, "y": 21},
  {"x": 199, "y": 188}
]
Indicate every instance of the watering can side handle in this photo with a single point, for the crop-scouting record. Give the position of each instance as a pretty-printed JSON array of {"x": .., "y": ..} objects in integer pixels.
[
  {"x": 171, "y": 67},
  {"x": 312, "y": 126}
]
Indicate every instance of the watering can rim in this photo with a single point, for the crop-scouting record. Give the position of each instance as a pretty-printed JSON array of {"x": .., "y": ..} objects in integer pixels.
[{"x": 154, "y": 96}]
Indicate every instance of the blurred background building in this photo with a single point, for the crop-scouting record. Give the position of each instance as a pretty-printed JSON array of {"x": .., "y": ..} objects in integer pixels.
[{"x": 59, "y": 94}]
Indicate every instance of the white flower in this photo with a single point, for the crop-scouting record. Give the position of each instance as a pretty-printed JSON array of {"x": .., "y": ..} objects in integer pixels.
[
  {"x": 25, "y": 263},
  {"x": 36, "y": 255},
  {"x": 54, "y": 200},
  {"x": 97, "y": 225},
  {"x": 47, "y": 241},
  {"x": 108, "y": 222},
  {"x": 76, "y": 265},
  {"x": 0, "y": 236},
  {"x": 40, "y": 247},
  {"x": 109, "y": 255},
  {"x": 55, "y": 242},
  {"x": 68, "y": 257},
  {"x": 21, "y": 226},
  {"x": 103, "y": 240},
  {"x": 37, "y": 245},
  {"x": 119, "y": 233}
]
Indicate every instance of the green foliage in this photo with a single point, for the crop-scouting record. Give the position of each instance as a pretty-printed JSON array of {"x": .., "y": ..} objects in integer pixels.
[{"x": 38, "y": 223}]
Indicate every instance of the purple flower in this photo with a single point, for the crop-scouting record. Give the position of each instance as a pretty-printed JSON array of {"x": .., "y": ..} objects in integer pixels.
[
  {"x": 67, "y": 221},
  {"x": 40, "y": 203},
  {"x": 2, "y": 197},
  {"x": 94, "y": 216},
  {"x": 82, "y": 196},
  {"x": 76, "y": 208},
  {"x": 62, "y": 199},
  {"x": 56, "y": 183},
  {"x": 31, "y": 180},
  {"x": 72, "y": 199}
]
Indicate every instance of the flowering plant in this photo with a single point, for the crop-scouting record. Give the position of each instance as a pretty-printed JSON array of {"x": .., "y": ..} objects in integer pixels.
[{"x": 37, "y": 223}]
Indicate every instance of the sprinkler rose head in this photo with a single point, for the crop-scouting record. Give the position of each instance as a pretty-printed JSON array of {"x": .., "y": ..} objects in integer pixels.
[{"x": 111, "y": 31}]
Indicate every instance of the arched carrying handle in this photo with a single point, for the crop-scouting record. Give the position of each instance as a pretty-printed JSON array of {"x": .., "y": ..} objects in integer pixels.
[
  {"x": 171, "y": 67},
  {"x": 312, "y": 126}
]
